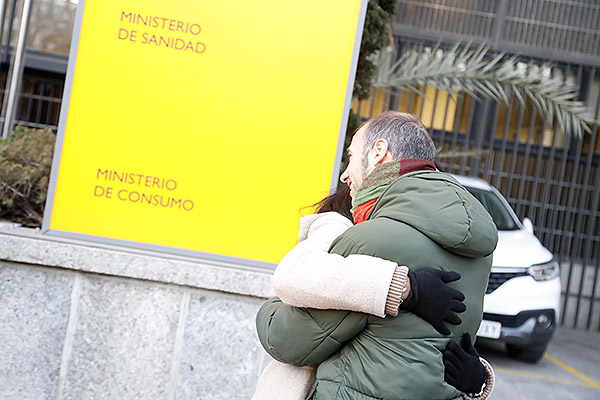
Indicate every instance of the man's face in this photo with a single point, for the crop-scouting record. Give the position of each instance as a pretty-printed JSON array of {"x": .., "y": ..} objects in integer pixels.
[{"x": 353, "y": 176}]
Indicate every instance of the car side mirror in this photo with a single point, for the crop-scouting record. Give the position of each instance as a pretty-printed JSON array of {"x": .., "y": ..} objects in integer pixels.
[{"x": 528, "y": 225}]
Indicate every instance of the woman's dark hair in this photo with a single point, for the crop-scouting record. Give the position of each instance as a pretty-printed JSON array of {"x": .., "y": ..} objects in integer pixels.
[{"x": 339, "y": 202}]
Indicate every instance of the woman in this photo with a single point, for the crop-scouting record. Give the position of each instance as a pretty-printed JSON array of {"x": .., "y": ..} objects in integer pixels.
[{"x": 309, "y": 276}]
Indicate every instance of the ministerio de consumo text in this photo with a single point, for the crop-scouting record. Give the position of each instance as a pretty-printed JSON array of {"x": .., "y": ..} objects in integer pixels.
[{"x": 140, "y": 197}]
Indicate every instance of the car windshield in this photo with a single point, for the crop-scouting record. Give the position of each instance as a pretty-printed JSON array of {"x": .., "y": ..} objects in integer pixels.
[{"x": 501, "y": 216}]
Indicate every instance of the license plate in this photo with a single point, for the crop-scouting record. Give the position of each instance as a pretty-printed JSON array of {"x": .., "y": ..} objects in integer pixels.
[{"x": 489, "y": 329}]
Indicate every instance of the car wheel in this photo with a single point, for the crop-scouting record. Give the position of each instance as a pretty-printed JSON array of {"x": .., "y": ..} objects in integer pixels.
[{"x": 531, "y": 354}]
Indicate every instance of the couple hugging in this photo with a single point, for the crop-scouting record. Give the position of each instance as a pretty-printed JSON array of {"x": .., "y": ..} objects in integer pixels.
[{"x": 381, "y": 269}]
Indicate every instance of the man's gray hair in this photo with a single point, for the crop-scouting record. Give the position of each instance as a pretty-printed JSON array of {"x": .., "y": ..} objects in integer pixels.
[{"x": 407, "y": 137}]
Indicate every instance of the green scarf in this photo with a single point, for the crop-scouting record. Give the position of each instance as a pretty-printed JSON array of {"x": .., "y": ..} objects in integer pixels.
[{"x": 376, "y": 182}]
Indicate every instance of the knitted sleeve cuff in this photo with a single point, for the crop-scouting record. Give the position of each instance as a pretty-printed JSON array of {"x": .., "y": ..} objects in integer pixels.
[
  {"x": 397, "y": 289},
  {"x": 488, "y": 385}
]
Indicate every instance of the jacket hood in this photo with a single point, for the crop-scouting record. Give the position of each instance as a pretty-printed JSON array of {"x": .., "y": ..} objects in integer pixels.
[{"x": 438, "y": 206}]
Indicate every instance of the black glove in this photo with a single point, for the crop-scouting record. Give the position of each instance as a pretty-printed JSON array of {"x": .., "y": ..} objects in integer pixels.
[
  {"x": 434, "y": 301},
  {"x": 464, "y": 371}
]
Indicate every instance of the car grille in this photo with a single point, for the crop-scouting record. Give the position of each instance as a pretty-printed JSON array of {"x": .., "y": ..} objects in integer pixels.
[{"x": 498, "y": 278}]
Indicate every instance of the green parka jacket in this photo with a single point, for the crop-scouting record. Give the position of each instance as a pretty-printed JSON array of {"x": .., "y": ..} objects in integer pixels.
[{"x": 424, "y": 219}]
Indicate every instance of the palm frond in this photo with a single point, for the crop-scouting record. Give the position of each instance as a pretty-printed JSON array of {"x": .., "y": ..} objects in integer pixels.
[{"x": 498, "y": 78}]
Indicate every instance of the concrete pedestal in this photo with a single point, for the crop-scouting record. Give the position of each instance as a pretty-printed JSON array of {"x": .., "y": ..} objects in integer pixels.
[{"x": 81, "y": 322}]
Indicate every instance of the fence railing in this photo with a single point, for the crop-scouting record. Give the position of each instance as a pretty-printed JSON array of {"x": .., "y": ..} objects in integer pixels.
[
  {"x": 563, "y": 30},
  {"x": 546, "y": 175},
  {"x": 39, "y": 101}
]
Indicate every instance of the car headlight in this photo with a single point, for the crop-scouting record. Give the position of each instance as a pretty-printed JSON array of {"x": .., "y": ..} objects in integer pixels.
[{"x": 545, "y": 271}]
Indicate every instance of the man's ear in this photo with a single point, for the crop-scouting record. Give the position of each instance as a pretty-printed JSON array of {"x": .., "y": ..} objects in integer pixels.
[{"x": 380, "y": 152}]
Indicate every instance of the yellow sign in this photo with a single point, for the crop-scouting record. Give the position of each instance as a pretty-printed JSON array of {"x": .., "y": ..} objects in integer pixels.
[{"x": 202, "y": 125}]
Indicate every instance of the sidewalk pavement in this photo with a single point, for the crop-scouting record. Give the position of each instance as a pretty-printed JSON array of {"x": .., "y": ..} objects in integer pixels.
[{"x": 569, "y": 370}]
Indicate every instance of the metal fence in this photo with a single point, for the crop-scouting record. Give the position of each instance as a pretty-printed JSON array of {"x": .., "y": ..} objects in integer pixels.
[
  {"x": 551, "y": 179},
  {"x": 547, "y": 176},
  {"x": 563, "y": 30},
  {"x": 39, "y": 101}
]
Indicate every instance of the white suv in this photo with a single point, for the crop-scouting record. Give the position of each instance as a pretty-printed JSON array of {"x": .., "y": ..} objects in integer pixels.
[{"x": 522, "y": 299}]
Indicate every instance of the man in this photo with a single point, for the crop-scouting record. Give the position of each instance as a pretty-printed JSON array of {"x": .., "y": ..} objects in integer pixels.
[{"x": 414, "y": 216}]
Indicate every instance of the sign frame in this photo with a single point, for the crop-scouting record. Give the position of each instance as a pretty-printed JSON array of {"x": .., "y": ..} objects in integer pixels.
[{"x": 134, "y": 246}]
